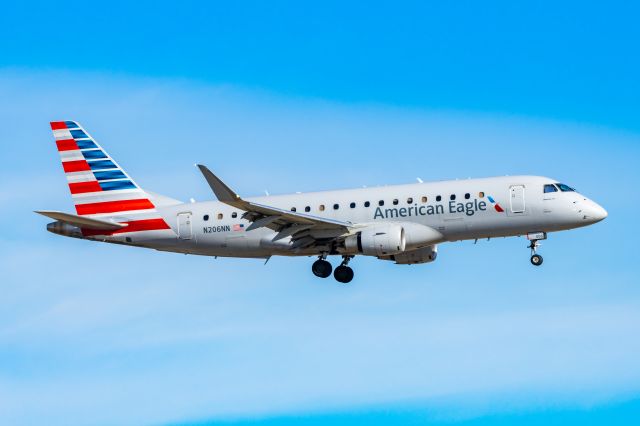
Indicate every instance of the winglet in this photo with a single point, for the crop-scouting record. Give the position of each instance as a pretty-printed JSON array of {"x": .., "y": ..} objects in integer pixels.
[
  {"x": 262, "y": 215},
  {"x": 222, "y": 191}
]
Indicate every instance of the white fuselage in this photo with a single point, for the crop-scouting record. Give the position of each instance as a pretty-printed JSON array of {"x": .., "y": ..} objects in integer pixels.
[
  {"x": 403, "y": 223},
  {"x": 458, "y": 210}
]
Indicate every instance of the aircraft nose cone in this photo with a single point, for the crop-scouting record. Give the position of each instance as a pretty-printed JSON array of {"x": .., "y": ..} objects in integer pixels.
[
  {"x": 595, "y": 213},
  {"x": 600, "y": 213}
]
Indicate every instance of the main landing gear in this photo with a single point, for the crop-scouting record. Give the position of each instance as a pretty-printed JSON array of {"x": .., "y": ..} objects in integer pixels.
[
  {"x": 343, "y": 273},
  {"x": 321, "y": 268}
]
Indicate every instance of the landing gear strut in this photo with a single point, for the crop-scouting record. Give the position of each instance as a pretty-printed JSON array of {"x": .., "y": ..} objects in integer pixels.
[
  {"x": 321, "y": 268},
  {"x": 343, "y": 273},
  {"x": 536, "y": 259}
]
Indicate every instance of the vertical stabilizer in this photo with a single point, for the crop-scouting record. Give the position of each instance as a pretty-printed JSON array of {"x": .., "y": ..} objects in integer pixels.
[{"x": 99, "y": 187}]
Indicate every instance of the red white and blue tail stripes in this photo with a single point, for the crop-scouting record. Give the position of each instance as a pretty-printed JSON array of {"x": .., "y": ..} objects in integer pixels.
[{"x": 98, "y": 186}]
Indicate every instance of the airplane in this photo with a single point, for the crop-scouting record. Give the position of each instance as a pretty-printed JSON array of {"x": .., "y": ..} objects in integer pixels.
[{"x": 402, "y": 224}]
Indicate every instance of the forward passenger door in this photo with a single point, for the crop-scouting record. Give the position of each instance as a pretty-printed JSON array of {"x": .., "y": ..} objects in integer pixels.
[{"x": 517, "y": 199}]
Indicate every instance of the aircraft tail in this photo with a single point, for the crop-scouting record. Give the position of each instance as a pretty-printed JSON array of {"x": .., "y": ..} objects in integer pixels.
[{"x": 99, "y": 187}]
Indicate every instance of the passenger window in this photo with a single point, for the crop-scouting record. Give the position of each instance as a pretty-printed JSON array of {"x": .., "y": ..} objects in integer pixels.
[
  {"x": 367, "y": 204},
  {"x": 481, "y": 195},
  {"x": 424, "y": 199},
  {"x": 220, "y": 216},
  {"x": 381, "y": 203},
  {"x": 439, "y": 198},
  {"x": 336, "y": 206},
  {"x": 321, "y": 208},
  {"x": 452, "y": 197},
  {"x": 307, "y": 209},
  {"x": 293, "y": 209},
  {"x": 234, "y": 215},
  {"x": 352, "y": 205},
  {"x": 206, "y": 217},
  {"x": 550, "y": 188},
  {"x": 396, "y": 202},
  {"x": 467, "y": 196},
  {"x": 565, "y": 188},
  {"x": 409, "y": 200}
]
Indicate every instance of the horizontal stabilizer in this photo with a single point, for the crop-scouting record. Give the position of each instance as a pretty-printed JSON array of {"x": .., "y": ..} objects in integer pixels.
[{"x": 81, "y": 221}]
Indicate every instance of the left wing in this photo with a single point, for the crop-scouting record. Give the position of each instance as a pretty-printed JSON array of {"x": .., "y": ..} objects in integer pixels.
[{"x": 300, "y": 227}]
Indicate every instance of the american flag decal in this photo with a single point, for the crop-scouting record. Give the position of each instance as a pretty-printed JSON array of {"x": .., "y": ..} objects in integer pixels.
[{"x": 238, "y": 228}]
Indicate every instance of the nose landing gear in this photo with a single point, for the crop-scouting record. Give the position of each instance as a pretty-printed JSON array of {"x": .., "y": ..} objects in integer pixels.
[
  {"x": 535, "y": 238},
  {"x": 536, "y": 259}
]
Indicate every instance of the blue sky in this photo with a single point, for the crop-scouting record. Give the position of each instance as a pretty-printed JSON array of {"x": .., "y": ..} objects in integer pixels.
[{"x": 287, "y": 97}]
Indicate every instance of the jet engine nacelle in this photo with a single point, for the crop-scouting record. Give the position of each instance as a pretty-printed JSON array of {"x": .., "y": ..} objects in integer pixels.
[
  {"x": 414, "y": 257},
  {"x": 420, "y": 236},
  {"x": 386, "y": 239},
  {"x": 382, "y": 239}
]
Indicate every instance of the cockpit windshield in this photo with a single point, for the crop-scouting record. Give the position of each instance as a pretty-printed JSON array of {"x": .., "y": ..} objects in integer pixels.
[
  {"x": 565, "y": 188},
  {"x": 550, "y": 188}
]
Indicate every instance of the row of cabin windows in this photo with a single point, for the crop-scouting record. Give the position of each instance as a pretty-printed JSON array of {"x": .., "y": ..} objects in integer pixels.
[
  {"x": 220, "y": 216},
  {"x": 395, "y": 202},
  {"x": 367, "y": 204}
]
